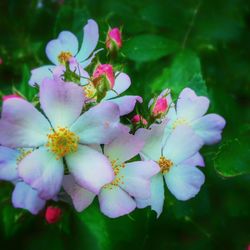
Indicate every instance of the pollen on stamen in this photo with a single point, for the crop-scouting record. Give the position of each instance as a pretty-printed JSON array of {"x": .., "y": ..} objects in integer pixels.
[
  {"x": 165, "y": 164},
  {"x": 64, "y": 57},
  {"x": 118, "y": 177},
  {"x": 62, "y": 142},
  {"x": 89, "y": 90},
  {"x": 178, "y": 122}
]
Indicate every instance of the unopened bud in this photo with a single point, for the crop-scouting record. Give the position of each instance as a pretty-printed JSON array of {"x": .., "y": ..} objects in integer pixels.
[{"x": 53, "y": 214}]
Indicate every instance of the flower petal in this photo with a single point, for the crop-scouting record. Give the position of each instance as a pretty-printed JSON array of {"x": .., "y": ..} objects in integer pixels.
[
  {"x": 195, "y": 160},
  {"x": 124, "y": 147},
  {"x": 99, "y": 125},
  {"x": 86, "y": 63},
  {"x": 90, "y": 40},
  {"x": 81, "y": 197},
  {"x": 156, "y": 201},
  {"x": 22, "y": 125},
  {"x": 122, "y": 83},
  {"x": 38, "y": 74},
  {"x": 114, "y": 202},
  {"x": 181, "y": 144},
  {"x": 25, "y": 197},
  {"x": 66, "y": 42},
  {"x": 62, "y": 102},
  {"x": 153, "y": 138},
  {"x": 126, "y": 103},
  {"x": 135, "y": 178},
  {"x": 42, "y": 171},
  {"x": 91, "y": 169},
  {"x": 184, "y": 181},
  {"x": 190, "y": 106},
  {"x": 209, "y": 128},
  {"x": 8, "y": 165}
]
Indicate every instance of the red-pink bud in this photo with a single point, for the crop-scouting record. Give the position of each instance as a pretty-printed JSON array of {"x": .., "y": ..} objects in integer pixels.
[
  {"x": 53, "y": 214},
  {"x": 139, "y": 119},
  {"x": 7, "y": 97},
  {"x": 160, "y": 106},
  {"x": 105, "y": 70},
  {"x": 1, "y": 61},
  {"x": 114, "y": 39}
]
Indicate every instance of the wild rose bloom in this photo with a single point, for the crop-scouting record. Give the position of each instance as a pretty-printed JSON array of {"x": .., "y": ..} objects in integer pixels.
[
  {"x": 61, "y": 50},
  {"x": 106, "y": 71},
  {"x": 114, "y": 39},
  {"x": 190, "y": 110},
  {"x": 172, "y": 152},
  {"x": 23, "y": 195},
  {"x": 64, "y": 138},
  {"x": 52, "y": 214},
  {"x": 137, "y": 119},
  {"x": 6, "y": 97},
  {"x": 132, "y": 180},
  {"x": 121, "y": 83}
]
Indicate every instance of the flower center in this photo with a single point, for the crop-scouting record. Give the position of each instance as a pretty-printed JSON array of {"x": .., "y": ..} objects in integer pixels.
[
  {"x": 118, "y": 178},
  {"x": 64, "y": 57},
  {"x": 178, "y": 122},
  {"x": 89, "y": 90},
  {"x": 165, "y": 164},
  {"x": 62, "y": 142}
]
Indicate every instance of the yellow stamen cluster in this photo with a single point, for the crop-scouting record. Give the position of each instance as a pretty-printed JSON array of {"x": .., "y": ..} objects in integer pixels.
[
  {"x": 118, "y": 177},
  {"x": 89, "y": 90},
  {"x": 165, "y": 164},
  {"x": 64, "y": 57},
  {"x": 62, "y": 142},
  {"x": 178, "y": 122},
  {"x": 23, "y": 154}
]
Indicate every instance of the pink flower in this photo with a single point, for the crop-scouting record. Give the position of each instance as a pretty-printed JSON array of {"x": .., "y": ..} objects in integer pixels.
[
  {"x": 53, "y": 214},
  {"x": 114, "y": 39},
  {"x": 106, "y": 71},
  {"x": 138, "y": 119},
  {"x": 6, "y": 97},
  {"x": 160, "y": 106}
]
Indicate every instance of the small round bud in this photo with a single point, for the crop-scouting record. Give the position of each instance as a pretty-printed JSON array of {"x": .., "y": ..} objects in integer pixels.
[
  {"x": 104, "y": 73},
  {"x": 53, "y": 214},
  {"x": 137, "y": 119},
  {"x": 114, "y": 39}
]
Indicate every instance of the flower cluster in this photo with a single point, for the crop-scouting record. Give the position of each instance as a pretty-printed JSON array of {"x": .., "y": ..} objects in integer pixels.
[{"x": 71, "y": 146}]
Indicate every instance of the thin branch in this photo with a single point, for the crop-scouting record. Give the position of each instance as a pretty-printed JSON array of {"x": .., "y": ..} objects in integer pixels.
[{"x": 191, "y": 25}]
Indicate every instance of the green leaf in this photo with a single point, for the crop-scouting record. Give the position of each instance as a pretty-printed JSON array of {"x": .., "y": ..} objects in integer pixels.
[
  {"x": 233, "y": 158},
  {"x": 96, "y": 224},
  {"x": 144, "y": 48},
  {"x": 185, "y": 71}
]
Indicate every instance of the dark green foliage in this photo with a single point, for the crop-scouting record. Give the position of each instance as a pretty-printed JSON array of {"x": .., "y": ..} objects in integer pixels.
[{"x": 167, "y": 44}]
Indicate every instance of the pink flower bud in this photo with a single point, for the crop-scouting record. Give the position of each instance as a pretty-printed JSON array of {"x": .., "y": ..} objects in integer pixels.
[
  {"x": 160, "y": 106},
  {"x": 7, "y": 97},
  {"x": 105, "y": 70},
  {"x": 1, "y": 61},
  {"x": 114, "y": 39},
  {"x": 138, "y": 119},
  {"x": 53, "y": 214}
]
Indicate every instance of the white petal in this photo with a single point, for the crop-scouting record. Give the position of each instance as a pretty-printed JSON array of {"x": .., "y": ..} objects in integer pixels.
[
  {"x": 114, "y": 202},
  {"x": 181, "y": 144},
  {"x": 62, "y": 102},
  {"x": 99, "y": 125},
  {"x": 42, "y": 171},
  {"x": 190, "y": 106},
  {"x": 81, "y": 197},
  {"x": 66, "y": 42},
  {"x": 91, "y": 169},
  {"x": 184, "y": 181},
  {"x": 90, "y": 40},
  {"x": 22, "y": 125}
]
